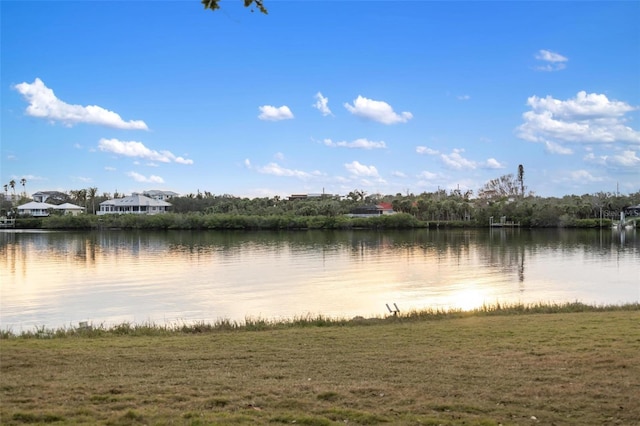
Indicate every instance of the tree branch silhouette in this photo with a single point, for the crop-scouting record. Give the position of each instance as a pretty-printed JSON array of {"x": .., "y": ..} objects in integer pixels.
[{"x": 215, "y": 5}]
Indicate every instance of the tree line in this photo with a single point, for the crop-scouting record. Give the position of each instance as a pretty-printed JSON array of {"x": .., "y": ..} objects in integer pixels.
[
  {"x": 506, "y": 196},
  {"x": 440, "y": 208}
]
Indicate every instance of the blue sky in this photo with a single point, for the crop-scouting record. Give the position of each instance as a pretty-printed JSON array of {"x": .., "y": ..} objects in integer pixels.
[{"x": 332, "y": 96}]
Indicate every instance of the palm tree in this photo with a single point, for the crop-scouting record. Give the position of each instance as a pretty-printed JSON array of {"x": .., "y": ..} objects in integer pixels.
[
  {"x": 12, "y": 184},
  {"x": 521, "y": 179},
  {"x": 92, "y": 195},
  {"x": 6, "y": 190},
  {"x": 23, "y": 182},
  {"x": 82, "y": 196}
]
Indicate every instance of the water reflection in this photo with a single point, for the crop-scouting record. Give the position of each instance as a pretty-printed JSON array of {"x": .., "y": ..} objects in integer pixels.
[{"x": 61, "y": 278}]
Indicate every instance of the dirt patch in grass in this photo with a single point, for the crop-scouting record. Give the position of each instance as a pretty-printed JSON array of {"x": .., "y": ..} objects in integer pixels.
[{"x": 566, "y": 368}]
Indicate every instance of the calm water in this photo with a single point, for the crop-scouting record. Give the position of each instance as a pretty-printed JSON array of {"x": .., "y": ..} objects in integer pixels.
[{"x": 58, "y": 279}]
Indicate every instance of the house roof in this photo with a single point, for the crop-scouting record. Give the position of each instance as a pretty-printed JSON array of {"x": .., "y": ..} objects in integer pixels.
[
  {"x": 136, "y": 200},
  {"x": 49, "y": 193},
  {"x": 68, "y": 206},
  {"x": 159, "y": 192},
  {"x": 34, "y": 205}
]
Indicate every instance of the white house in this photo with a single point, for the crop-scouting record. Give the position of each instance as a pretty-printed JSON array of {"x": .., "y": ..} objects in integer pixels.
[
  {"x": 160, "y": 195},
  {"x": 35, "y": 209},
  {"x": 133, "y": 204},
  {"x": 43, "y": 196},
  {"x": 68, "y": 208},
  {"x": 38, "y": 209}
]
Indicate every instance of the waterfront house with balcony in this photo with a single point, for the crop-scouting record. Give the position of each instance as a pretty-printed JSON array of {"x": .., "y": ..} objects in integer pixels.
[
  {"x": 38, "y": 209},
  {"x": 133, "y": 204},
  {"x": 160, "y": 195}
]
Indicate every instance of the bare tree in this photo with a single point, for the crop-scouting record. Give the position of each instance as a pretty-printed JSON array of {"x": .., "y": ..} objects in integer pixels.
[{"x": 504, "y": 186}]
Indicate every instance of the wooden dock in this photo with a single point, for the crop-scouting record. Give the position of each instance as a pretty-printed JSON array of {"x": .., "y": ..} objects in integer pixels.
[
  {"x": 7, "y": 223},
  {"x": 504, "y": 223}
]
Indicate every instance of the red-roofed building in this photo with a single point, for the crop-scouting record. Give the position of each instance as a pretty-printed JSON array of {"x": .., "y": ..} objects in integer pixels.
[{"x": 372, "y": 210}]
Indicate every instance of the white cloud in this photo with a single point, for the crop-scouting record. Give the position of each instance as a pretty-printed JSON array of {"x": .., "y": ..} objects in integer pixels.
[
  {"x": 360, "y": 143},
  {"x": 399, "y": 174},
  {"x": 271, "y": 113},
  {"x": 584, "y": 105},
  {"x": 492, "y": 163},
  {"x": 43, "y": 103},
  {"x": 82, "y": 179},
  {"x": 549, "y": 56},
  {"x": 180, "y": 160},
  {"x": 247, "y": 163},
  {"x": 278, "y": 156},
  {"x": 109, "y": 169},
  {"x": 587, "y": 118},
  {"x": 138, "y": 150},
  {"x": 29, "y": 178},
  {"x": 141, "y": 178},
  {"x": 582, "y": 176},
  {"x": 371, "y": 182},
  {"x": 427, "y": 175},
  {"x": 426, "y": 150},
  {"x": 322, "y": 104},
  {"x": 377, "y": 111},
  {"x": 430, "y": 180},
  {"x": 550, "y": 67},
  {"x": 358, "y": 169},
  {"x": 591, "y": 158},
  {"x": 554, "y": 61},
  {"x": 457, "y": 161},
  {"x": 277, "y": 170},
  {"x": 627, "y": 159},
  {"x": 555, "y": 148},
  {"x": 464, "y": 97}
]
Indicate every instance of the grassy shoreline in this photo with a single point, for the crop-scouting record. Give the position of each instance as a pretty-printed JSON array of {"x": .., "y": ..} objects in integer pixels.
[
  {"x": 547, "y": 364},
  {"x": 257, "y": 324}
]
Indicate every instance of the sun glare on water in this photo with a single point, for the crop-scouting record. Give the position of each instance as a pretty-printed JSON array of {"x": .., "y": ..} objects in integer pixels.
[{"x": 468, "y": 297}]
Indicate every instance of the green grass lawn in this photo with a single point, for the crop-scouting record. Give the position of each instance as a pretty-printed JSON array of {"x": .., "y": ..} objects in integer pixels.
[{"x": 558, "y": 368}]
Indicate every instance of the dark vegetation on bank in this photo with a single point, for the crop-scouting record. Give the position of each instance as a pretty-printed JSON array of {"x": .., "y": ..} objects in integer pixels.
[
  {"x": 261, "y": 324},
  {"x": 226, "y": 221}
]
